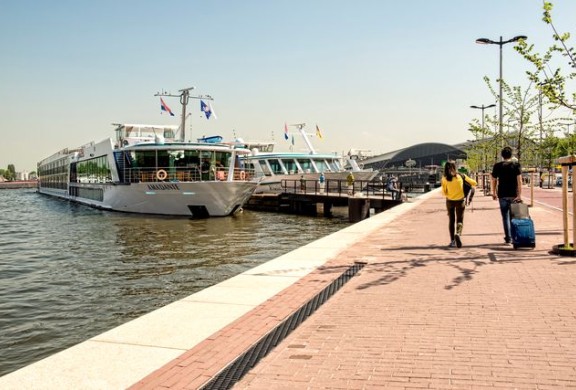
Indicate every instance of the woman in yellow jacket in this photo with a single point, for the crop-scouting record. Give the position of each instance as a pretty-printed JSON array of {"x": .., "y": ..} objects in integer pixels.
[{"x": 453, "y": 189}]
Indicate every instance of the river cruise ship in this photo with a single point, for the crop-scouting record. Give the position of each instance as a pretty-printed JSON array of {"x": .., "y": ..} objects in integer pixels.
[
  {"x": 275, "y": 169},
  {"x": 146, "y": 170}
]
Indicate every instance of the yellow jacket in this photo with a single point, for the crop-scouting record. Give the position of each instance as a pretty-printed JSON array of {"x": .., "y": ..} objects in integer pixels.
[{"x": 454, "y": 189}]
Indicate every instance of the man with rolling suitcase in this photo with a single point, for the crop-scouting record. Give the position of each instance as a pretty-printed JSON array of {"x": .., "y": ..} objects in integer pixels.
[{"x": 506, "y": 187}]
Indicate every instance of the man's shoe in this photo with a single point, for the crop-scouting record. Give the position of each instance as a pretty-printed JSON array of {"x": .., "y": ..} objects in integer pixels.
[
  {"x": 458, "y": 241},
  {"x": 507, "y": 240}
]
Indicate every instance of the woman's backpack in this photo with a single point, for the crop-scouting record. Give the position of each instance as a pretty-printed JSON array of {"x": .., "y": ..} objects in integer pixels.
[{"x": 468, "y": 190}]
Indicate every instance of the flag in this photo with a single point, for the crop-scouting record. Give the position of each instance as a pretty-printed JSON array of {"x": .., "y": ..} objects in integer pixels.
[
  {"x": 207, "y": 109},
  {"x": 292, "y": 139},
  {"x": 164, "y": 107},
  {"x": 285, "y": 131},
  {"x": 318, "y": 132}
]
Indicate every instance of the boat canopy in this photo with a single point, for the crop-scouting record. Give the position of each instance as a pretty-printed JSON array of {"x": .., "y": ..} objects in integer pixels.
[{"x": 129, "y": 134}]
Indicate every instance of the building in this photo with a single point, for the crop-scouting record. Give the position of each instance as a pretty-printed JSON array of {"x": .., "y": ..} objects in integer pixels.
[{"x": 418, "y": 156}]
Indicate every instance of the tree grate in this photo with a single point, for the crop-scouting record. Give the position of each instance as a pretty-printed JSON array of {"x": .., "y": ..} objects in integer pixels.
[{"x": 232, "y": 373}]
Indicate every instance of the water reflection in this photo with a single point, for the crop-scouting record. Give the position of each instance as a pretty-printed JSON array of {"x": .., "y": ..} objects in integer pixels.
[{"x": 69, "y": 272}]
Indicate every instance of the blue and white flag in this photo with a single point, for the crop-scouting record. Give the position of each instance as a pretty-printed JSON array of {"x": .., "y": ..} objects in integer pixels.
[{"x": 207, "y": 109}]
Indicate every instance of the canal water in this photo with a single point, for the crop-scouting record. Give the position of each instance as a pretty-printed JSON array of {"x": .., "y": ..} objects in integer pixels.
[{"x": 69, "y": 272}]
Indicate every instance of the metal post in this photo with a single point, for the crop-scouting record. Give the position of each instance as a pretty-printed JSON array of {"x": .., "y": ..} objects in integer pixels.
[
  {"x": 483, "y": 107},
  {"x": 500, "y": 43},
  {"x": 500, "y": 120},
  {"x": 184, "y": 97}
]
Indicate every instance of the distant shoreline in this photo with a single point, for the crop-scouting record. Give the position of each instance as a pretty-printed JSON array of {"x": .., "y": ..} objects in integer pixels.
[{"x": 13, "y": 185}]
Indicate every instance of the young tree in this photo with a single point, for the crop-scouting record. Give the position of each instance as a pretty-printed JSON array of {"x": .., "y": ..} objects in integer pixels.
[
  {"x": 483, "y": 152},
  {"x": 548, "y": 77},
  {"x": 520, "y": 109}
]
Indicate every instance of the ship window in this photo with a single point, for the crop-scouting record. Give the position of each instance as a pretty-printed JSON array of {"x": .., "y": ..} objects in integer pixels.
[
  {"x": 290, "y": 166},
  {"x": 94, "y": 170},
  {"x": 323, "y": 166},
  {"x": 336, "y": 166},
  {"x": 191, "y": 158},
  {"x": 306, "y": 165},
  {"x": 146, "y": 159},
  {"x": 275, "y": 166},
  {"x": 223, "y": 158},
  {"x": 163, "y": 159}
]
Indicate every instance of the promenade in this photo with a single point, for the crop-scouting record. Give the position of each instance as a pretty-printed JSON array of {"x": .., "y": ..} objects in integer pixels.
[{"x": 419, "y": 314}]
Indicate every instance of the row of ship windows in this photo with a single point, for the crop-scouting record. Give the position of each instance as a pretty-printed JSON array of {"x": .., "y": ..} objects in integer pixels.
[
  {"x": 95, "y": 170},
  {"x": 54, "y": 181},
  {"x": 87, "y": 193}
]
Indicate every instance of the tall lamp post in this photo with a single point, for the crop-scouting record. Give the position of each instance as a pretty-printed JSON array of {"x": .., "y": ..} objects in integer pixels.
[
  {"x": 486, "y": 41},
  {"x": 483, "y": 107}
]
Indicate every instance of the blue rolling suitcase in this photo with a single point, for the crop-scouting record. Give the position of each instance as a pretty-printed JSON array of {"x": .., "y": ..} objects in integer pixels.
[{"x": 522, "y": 227}]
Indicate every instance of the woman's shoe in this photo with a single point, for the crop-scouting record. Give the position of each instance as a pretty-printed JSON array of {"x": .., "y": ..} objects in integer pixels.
[{"x": 458, "y": 241}]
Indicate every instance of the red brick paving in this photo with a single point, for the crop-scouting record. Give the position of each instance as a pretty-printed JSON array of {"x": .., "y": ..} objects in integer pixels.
[{"x": 419, "y": 315}]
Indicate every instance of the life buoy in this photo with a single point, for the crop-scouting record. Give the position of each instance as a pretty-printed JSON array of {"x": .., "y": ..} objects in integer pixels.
[
  {"x": 242, "y": 175},
  {"x": 161, "y": 174}
]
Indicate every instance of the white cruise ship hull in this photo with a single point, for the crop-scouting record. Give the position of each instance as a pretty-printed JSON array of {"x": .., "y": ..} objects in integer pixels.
[{"x": 140, "y": 173}]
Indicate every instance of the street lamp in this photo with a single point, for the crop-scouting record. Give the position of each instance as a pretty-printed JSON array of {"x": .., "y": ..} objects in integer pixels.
[
  {"x": 483, "y": 107},
  {"x": 486, "y": 41}
]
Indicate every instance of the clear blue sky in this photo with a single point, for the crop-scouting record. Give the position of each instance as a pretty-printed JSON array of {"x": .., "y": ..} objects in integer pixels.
[{"x": 373, "y": 74}]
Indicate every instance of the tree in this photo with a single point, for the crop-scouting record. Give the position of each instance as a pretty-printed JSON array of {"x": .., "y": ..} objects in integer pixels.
[
  {"x": 549, "y": 151},
  {"x": 549, "y": 79},
  {"x": 520, "y": 109},
  {"x": 485, "y": 144},
  {"x": 9, "y": 173}
]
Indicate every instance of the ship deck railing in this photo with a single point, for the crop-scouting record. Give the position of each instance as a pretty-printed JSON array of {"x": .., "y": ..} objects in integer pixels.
[{"x": 184, "y": 174}]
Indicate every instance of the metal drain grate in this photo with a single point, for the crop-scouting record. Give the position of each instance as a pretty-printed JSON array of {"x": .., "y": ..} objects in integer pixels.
[{"x": 236, "y": 370}]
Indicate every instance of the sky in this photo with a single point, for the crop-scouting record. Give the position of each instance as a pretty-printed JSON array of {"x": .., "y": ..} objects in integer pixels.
[{"x": 377, "y": 75}]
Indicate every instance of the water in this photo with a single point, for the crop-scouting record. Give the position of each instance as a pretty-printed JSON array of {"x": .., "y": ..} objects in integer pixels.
[{"x": 69, "y": 272}]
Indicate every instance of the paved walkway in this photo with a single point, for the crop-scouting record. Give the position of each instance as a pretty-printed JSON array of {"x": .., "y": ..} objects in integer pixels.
[{"x": 418, "y": 315}]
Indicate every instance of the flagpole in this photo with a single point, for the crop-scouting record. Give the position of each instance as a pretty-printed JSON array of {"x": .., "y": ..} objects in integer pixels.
[
  {"x": 300, "y": 127},
  {"x": 184, "y": 98}
]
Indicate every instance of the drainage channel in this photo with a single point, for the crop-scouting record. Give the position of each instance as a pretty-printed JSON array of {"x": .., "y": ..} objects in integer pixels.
[{"x": 231, "y": 374}]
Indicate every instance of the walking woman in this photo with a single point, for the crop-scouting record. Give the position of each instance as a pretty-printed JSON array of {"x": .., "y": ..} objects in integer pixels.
[{"x": 453, "y": 190}]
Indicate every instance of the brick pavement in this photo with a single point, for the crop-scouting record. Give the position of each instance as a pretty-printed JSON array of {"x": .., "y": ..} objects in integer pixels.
[{"x": 419, "y": 315}]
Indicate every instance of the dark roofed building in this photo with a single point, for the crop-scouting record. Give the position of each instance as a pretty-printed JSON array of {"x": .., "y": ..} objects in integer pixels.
[{"x": 423, "y": 154}]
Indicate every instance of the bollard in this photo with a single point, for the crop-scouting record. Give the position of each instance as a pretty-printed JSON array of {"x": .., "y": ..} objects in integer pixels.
[{"x": 358, "y": 209}]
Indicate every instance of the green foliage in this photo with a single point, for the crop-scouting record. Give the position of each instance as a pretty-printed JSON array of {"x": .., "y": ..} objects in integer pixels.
[
  {"x": 522, "y": 119},
  {"x": 9, "y": 173},
  {"x": 483, "y": 151},
  {"x": 550, "y": 79}
]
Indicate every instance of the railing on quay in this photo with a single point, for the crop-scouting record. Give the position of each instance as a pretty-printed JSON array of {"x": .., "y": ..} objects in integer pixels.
[{"x": 337, "y": 187}]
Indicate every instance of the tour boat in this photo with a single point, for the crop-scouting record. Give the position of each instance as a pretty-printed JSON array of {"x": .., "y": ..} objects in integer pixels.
[
  {"x": 272, "y": 169},
  {"x": 146, "y": 170}
]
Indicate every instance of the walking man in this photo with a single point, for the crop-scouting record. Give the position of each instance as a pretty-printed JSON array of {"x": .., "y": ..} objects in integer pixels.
[{"x": 506, "y": 187}]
